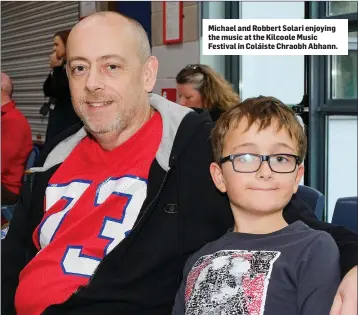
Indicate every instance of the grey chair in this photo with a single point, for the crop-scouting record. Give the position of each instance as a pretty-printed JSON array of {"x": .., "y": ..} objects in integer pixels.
[
  {"x": 346, "y": 213},
  {"x": 313, "y": 198}
]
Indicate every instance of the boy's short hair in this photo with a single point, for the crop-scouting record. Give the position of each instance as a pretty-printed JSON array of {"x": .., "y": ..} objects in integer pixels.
[{"x": 261, "y": 110}]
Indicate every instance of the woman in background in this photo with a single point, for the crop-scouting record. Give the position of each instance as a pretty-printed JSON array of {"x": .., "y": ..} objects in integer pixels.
[
  {"x": 200, "y": 87},
  {"x": 61, "y": 112}
]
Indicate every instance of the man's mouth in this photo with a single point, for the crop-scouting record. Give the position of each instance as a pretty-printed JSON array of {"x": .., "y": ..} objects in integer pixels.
[{"x": 99, "y": 104}]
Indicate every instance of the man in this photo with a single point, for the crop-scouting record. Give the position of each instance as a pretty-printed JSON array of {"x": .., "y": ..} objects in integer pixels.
[
  {"x": 108, "y": 224},
  {"x": 16, "y": 144}
]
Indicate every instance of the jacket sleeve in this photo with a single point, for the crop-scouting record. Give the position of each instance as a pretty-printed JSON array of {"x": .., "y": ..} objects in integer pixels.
[
  {"x": 14, "y": 249},
  {"x": 47, "y": 87},
  {"x": 346, "y": 240},
  {"x": 318, "y": 276}
]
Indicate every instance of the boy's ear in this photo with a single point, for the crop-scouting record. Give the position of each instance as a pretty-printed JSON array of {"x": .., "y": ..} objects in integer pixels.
[
  {"x": 300, "y": 172},
  {"x": 217, "y": 176}
]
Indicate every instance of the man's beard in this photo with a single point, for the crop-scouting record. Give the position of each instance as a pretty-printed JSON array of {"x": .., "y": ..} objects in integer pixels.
[
  {"x": 104, "y": 127},
  {"x": 116, "y": 125}
]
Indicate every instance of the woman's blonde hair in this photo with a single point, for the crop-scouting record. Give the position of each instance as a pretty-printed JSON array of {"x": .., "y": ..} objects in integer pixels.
[{"x": 213, "y": 88}]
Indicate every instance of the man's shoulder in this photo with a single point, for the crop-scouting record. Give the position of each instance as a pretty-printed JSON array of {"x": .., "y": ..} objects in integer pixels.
[
  {"x": 16, "y": 121},
  {"x": 18, "y": 114}
]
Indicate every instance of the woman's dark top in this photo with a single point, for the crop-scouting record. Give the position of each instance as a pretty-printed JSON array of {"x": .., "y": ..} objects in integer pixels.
[
  {"x": 214, "y": 113},
  {"x": 62, "y": 115}
]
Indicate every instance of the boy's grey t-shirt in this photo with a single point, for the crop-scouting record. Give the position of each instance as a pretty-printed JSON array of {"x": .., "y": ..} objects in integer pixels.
[{"x": 288, "y": 272}]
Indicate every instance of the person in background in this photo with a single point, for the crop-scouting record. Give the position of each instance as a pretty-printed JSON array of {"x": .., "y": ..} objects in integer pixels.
[
  {"x": 61, "y": 112},
  {"x": 200, "y": 87},
  {"x": 258, "y": 147},
  {"x": 16, "y": 144}
]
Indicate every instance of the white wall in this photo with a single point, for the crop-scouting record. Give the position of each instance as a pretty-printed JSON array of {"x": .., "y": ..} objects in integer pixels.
[
  {"x": 173, "y": 58},
  {"x": 279, "y": 76},
  {"x": 342, "y": 160}
]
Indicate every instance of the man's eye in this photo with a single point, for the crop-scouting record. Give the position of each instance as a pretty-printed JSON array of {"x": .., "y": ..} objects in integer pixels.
[
  {"x": 112, "y": 67},
  {"x": 78, "y": 69}
]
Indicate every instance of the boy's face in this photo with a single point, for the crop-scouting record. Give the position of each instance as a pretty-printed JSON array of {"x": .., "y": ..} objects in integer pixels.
[{"x": 263, "y": 191}]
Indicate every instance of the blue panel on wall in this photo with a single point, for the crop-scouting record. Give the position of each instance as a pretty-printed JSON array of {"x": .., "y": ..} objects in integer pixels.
[{"x": 140, "y": 11}]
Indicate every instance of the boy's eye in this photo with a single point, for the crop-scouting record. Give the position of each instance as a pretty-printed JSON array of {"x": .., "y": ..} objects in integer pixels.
[
  {"x": 246, "y": 158},
  {"x": 280, "y": 159}
]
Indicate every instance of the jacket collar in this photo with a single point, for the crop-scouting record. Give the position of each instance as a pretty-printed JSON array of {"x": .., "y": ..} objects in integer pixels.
[{"x": 172, "y": 115}]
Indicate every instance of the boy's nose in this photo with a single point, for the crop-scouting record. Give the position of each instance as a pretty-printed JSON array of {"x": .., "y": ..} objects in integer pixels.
[{"x": 264, "y": 171}]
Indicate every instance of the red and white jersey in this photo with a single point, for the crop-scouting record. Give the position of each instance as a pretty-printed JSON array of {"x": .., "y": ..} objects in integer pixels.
[{"x": 91, "y": 204}]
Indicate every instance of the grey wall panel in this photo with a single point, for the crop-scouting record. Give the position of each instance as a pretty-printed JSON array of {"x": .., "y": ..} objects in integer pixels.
[{"x": 27, "y": 29}]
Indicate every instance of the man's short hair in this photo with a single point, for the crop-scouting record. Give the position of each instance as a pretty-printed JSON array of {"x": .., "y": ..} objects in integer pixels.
[
  {"x": 264, "y": 111},
  {"x": 144, "y": 50}
]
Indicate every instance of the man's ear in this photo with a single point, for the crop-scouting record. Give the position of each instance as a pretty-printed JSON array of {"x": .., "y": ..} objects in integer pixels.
[
  {"x": 217, "y": 176},
  {"x": 300, "y": 172},
  {"x": 150, "y": 73}
]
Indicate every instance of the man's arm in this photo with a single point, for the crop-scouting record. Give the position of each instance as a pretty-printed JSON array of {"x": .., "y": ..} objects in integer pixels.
[
  {"x": 346, "y": 240},
  {"x": 14, "y": 249},
  {"x": 345, "y": 301},
  {"x": 11, "y": 148},
  {"x": 318, "y": 276}
]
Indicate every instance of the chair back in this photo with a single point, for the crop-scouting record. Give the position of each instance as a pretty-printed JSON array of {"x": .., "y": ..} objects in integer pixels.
[
  {"x": 31, "y": 160},
  {"x": 346, "y": 213},
  {"x": 313, "y": 198}
]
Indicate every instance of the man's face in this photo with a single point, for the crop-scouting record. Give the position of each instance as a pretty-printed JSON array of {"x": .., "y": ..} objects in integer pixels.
[
  {"x": 108, "y": 82},
  {"x": 263, "y": 191}
]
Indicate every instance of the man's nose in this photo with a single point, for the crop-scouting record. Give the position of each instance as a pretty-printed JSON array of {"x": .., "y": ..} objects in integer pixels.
[{"x": 94, "y": 80}]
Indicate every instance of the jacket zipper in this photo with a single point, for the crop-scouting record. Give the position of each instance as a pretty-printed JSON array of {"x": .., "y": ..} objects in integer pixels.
[{"x": 143, "y": 213}]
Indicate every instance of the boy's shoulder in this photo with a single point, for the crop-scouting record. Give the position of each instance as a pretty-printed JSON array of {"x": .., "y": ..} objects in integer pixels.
[
  {"x": 303, "y": 236},
  {"x": 312, "y": 234},
  {"x": 296, "y": 237},
  {"x": 317, "y": 238}
]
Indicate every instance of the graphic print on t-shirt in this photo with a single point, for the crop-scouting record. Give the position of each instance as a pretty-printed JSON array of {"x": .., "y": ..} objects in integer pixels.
[{"x": 229, "y": 282}]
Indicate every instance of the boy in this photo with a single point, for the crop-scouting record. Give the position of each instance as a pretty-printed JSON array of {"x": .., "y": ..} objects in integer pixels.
[{"x": 263, "y": 265}]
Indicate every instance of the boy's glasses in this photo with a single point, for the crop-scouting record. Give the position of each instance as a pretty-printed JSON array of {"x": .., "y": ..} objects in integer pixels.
[{"x": 251, "y": 163}]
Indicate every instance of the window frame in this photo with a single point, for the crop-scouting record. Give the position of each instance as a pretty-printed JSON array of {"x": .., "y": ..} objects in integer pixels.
[
  {"x": 321, "y": 106},
  {"x": 342, "y": 106}
]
